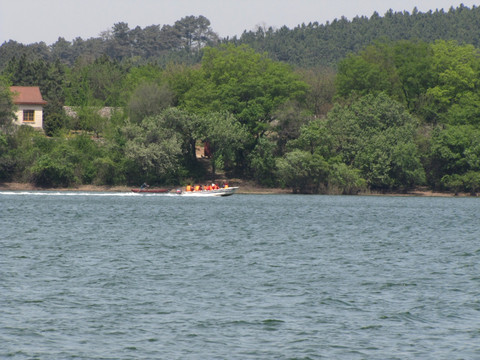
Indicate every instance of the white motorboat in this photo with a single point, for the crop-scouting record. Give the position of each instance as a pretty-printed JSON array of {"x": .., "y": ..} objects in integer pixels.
[{"x": 217, "y": 192}]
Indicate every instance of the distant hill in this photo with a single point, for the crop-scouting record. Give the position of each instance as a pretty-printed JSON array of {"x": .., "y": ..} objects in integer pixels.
[
  {"x": 315, "y": 44},
  {"x": 306, "y": 45}
]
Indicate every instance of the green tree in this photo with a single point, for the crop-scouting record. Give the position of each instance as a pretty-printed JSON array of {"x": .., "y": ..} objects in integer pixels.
[
  {"x": 153, "y": 150},
  {"x": 195, "y": 32},
  {"x": 246, "y": 84},
  {"x": 374, "y": 135},
  {"x": 52, "y": 172},
  {"x": 97, "y": 83},
  {"x": 224, "y": 135},
  {"x": 263, "y": 163},
  {"x": 7, "y": 107},
  {"x": 302, "y": 171},
  {"x": 413, "y": 62},
  {"x": 186, "y": 125},
  {"x": 455, "y": 93},
  {"x": 345, "y": 179},
  {"x": 455, "y": 150},
  {"x": 148, "y": 99},
  {"x": 377, "y": 135},
  {"x": 321, "y": 91},
  {"x": 370, "y": 72}
]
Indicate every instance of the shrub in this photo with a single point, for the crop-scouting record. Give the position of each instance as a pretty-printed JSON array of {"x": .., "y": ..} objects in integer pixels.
[{"x": 48, "y": 172}]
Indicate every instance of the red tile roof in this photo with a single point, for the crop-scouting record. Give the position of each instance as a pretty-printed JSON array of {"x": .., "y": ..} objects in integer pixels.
[{"x": 27, "y": 95}]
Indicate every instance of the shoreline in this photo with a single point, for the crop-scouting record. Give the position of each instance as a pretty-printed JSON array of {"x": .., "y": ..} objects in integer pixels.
[
  {"x": 16, "y": 186},
  {"x": 244, "y": 188}
]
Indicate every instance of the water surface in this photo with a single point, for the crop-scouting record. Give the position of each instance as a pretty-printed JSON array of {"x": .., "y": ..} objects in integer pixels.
[{"x": 123, "y": 276}]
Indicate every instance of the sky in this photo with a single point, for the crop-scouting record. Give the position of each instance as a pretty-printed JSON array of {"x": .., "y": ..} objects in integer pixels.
[{"x": 30, "y": 21}]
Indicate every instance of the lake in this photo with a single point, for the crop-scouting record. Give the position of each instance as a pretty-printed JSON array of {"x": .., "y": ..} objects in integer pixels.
[{"x": 128, "y": 276}]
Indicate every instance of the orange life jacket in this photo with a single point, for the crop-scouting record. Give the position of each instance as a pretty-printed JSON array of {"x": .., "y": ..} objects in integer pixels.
[{"x": 189, "y": 188}]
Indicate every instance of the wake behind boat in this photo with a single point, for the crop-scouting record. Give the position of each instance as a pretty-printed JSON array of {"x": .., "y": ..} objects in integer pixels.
[
  {"x": 154, "y": 191},
  {"x": 145, "y": 188}
]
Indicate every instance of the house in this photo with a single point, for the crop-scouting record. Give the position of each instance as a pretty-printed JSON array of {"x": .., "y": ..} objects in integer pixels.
[{"x": 29, "y": 102}]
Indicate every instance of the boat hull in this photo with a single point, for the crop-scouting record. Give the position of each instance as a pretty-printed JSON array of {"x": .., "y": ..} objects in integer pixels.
[{"x": 207, "y": 193}]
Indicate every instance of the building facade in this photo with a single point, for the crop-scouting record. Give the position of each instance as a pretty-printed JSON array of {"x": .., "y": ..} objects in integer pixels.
[{"x": 30, "y": 103}]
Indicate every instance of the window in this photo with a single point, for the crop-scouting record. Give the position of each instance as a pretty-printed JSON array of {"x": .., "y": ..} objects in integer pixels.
[{"x": 28, "y": 115}]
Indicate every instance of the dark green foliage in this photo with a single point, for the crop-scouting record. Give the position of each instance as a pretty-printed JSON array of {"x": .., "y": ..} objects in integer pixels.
[
  {"x": 180, "y": 42},
  {"x": 148, "y": 99},
  {"x": 305, "y": 45},
  {"x": 262, "y": 162},
  {"x": 374, "y": 135},
  {"x": 7, "y": 162},
  {"x": 303, "y": 171},
  {"x": 225, "y": 137},
  {"x": 246, "y": 84},
  {"x": 315, "y": 44},
  {"x": 50, "y": 172},
  {"x": 455, "y": 151},
  {"x": 7, "y": 107},
  {"x": 153, "y": 150},
  {"x": 394, "y": 115}
]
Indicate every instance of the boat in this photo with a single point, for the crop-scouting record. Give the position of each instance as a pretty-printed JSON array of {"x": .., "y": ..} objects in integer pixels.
[
  {"x": 205, "y": 193},
  {"x": 152, "y": 191}
]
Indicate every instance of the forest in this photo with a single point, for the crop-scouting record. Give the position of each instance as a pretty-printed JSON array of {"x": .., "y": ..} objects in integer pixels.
[{"x": 386, "y": 103}]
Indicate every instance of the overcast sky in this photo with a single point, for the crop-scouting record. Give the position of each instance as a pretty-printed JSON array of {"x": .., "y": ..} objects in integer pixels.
[{"x": 30, "y": 21}]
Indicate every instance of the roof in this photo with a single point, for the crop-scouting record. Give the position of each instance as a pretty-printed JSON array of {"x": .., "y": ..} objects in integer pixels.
[{"x": 27, "y": 95}]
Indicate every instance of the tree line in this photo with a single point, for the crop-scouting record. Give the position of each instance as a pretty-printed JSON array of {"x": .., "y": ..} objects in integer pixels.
[
  {"x": 179, "y": 42},
  {"x": 306, "y": 45},
  {"x": 392, "y": 116},
  {"x": 315, "y": 44}
]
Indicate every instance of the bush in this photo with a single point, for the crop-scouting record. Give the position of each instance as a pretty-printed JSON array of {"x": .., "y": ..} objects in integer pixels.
[
  {"x": 48, "y": 172},
  {"x": 345, "y": 180},
  {"x": 468, "y": 182},
  {"x": 107, "y": 172}
]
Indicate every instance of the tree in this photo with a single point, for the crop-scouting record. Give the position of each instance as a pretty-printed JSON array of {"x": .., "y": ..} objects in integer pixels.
[
  {"x": 373, "y": 134},
  {"x": 119, "y": 45},
  {"x": 224, "y": 135},
  {"x": 302, "y": 171},
  {"x": 148, "y": 99},
  {"x": 7, "y": 107},
  {"x": 371, "y": 71},
  {"x": 289, "y": 118},
  {"x": 195, "y": 32},
  {"x": 345, "y": 179},
  {"x": 319, "y": 97},
  {"x": 154, "y": 151},
  {"x": 263, "y": 163},
  {"x": 246, "y": 84},
  {"x": 455, "y": 150},
  {"x": 377, "y": 135},
  {"x": 457, "y": 70},
  {"x": 97, "y": 83},
  {"x": 187, "y": 126}
]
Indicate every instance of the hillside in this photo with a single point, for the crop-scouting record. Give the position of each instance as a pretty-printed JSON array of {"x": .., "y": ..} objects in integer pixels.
[{"x": 306, "y": 45}]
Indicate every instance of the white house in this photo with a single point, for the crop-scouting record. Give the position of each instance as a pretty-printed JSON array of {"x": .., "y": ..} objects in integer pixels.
[{"x": 29, "y": 102}]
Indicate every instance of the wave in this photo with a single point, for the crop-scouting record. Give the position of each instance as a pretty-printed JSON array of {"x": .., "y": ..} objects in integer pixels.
[{"x": 76, "y": 193}]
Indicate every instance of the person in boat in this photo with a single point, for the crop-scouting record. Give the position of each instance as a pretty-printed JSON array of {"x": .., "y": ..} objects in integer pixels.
[
  {"x": 197, "y": 188},
  {"x": 144, "y": 186},
  {"x": 189, "y": 187}
]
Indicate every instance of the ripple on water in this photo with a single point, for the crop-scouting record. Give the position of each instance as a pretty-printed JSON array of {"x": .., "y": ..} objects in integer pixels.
[{"x": 122, "y": 276}]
